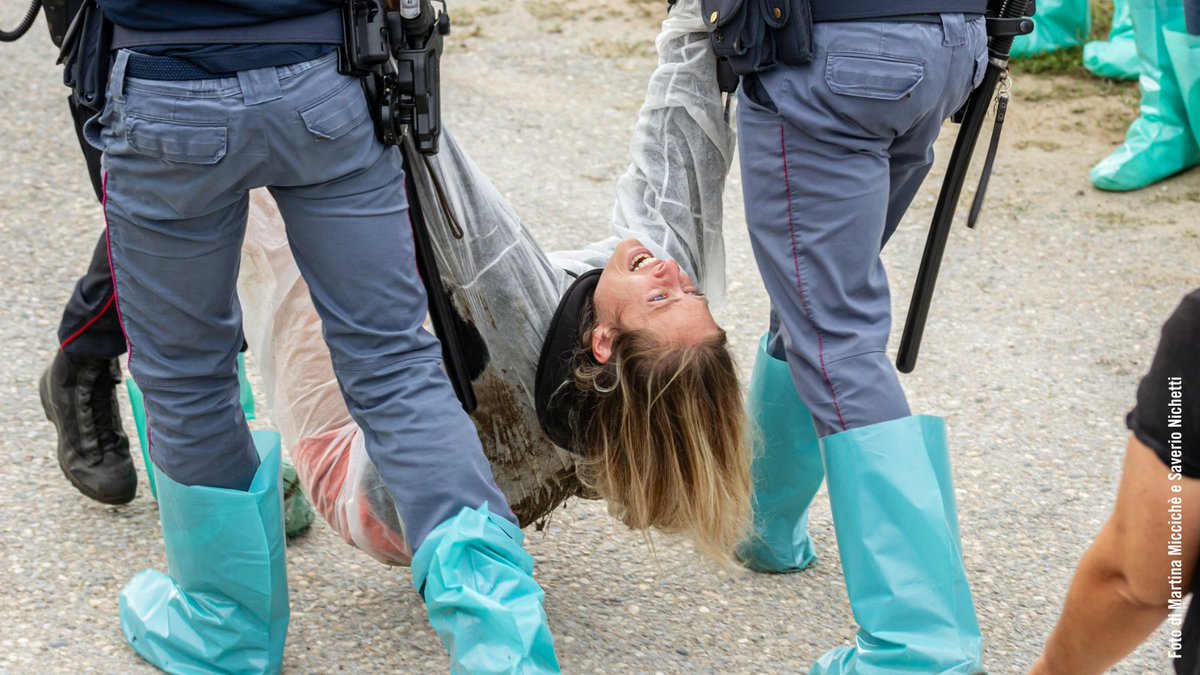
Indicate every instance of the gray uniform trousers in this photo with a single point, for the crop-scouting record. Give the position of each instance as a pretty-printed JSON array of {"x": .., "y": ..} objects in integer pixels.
[
  {"x": 179, "y": 160},
  {"x": 832, "y": 154}
]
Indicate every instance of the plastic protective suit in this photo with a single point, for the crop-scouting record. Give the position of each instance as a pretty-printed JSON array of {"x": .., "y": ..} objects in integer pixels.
[
  {"x": 1058, "y": 24},
  {"x": 1165, "y": 138},
  {"x": 504, "y": 285}
]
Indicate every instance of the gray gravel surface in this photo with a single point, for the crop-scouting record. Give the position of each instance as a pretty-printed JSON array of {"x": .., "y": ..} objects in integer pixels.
[{"x": 1044, "y": 321}]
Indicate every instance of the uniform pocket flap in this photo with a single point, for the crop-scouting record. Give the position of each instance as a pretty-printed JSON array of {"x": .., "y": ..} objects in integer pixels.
[
  {"x": 177, "y": 140},
  {"x": 718, "y": 13},
  {"x": 875, "y": 76},
  {"x": 775, "y": 12},
  {"x": 331, "y": 117}
]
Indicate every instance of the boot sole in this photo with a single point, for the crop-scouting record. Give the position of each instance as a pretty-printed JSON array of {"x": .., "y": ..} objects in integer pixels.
[{"x": 51, "y": 415}]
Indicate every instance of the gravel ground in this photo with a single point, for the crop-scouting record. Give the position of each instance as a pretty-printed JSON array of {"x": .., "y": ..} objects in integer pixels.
[{"x": 1044, "y": 321}]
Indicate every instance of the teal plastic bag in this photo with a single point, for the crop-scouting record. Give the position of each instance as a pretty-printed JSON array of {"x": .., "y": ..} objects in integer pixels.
[{"x": 1058, "y": 24}]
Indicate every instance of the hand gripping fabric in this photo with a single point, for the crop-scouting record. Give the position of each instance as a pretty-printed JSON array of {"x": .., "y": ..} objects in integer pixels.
[
  {"x": 787, "y": 470},
  {"x": 1115, "y": 58},
  {"x": 224, "y": 606},
  {"x": 481, "y": 597},
  {"x": 1162, "y": 141},
  {"x": 897, "y": 529}
]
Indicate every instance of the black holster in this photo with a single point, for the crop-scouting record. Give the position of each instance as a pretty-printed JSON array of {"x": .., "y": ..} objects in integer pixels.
[
  {"x": 85, "y": 56},
  {"x": 757, "y": 35},
  {"x": 58, "y": 17}
]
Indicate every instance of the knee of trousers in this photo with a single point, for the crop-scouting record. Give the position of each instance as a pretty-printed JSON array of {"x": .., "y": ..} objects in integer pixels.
[
  {"x": 850, "y": 392},
  {"x": 372, "y": 376},
  {"x": 198, "y": 433}
]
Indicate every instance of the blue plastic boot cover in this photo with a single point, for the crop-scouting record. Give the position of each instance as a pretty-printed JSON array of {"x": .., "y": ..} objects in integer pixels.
[
  {"x": 224, "y": 606},
  {"x": 1161, "y": 141},
  {"x": 1115, "y": 58},
  {"x": 893, "y": 509},
  {"x": 481, "y": 598},
  {"x": 787, "y": 469}
]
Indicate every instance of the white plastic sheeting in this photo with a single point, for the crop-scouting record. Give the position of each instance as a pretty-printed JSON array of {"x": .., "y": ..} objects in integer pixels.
[{"x": 504, "y": 284}]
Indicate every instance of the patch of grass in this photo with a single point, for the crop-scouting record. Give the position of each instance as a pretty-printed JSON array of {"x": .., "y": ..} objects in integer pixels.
[
  {"x": 575, "y": 10},
  {"x": 616, "y": 49},
  {"x": 1070, "y": 61},
  {"x": 1114, "y": 220},
  {"x": 1046, "y": 146},
  {"x": 466, "y": 16},
  {"x": 1102, "y": 16},
  {"x": 545, "y": 10},
  {"x": 1062, "y": 62},
  {"x": 1176, "y": 198}
]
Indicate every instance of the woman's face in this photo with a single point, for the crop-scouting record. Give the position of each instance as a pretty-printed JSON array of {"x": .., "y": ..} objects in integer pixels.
[{"x": 640, "y": 292}]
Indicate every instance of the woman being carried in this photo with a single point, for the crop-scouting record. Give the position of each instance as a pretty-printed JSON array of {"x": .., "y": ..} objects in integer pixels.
[{"x": 608, "y": 352}]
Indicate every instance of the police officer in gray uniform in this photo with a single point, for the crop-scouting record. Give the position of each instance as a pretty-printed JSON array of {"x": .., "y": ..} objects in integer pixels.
[
  {"x": 205, "y": 102},
  {"x": 832, "y": 153}
]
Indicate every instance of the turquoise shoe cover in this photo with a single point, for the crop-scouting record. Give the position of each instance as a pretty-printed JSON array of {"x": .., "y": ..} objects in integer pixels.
[
  {"x": 481, "y": 598},
  {"x": 787, "y": 470},
  {"x": 224, "y": 606},
  {"x": 897, "y": 528},
  {"x": 1117, "y": 57},
  {"x": 1161, "y": 142}
]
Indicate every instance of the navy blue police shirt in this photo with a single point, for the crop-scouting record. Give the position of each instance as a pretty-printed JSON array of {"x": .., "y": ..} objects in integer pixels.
[
  {"x": 1167, "y": 420},
  {"x": 156, "y": 15}
]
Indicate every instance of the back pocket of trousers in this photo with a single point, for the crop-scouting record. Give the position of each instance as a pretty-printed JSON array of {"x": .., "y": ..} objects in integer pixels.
[
  {"x": 332, "y": 117},
  {"x": 177, "y": 141},
  {"x": 886, "y": 78}
]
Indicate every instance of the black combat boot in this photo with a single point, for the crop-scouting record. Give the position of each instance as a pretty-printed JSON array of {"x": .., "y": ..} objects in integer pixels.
[{"x": 79, "y": 397}]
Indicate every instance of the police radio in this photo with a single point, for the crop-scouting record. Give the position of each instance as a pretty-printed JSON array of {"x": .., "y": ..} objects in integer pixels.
[{"x": 395, "y": 46}]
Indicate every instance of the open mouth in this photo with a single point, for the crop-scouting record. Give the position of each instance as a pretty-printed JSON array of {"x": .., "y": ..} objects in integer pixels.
[{"x": 640, "y": 259}]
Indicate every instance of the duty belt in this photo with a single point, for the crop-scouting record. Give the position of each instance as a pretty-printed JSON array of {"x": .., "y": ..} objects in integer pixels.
[{"x": 147, "y": 67}]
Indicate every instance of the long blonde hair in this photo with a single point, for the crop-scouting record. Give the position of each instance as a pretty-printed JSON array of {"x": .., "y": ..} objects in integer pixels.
[{"x": 664, "y": 432}]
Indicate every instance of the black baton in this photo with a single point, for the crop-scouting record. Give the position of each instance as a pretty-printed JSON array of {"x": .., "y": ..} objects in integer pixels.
[{"x": 1008, "y": 21}]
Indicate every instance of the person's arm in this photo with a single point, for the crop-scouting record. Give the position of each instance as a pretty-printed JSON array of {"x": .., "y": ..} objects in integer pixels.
[
  {"x": 1121, "y": 590},
  {"x": 670, "y": 197}
]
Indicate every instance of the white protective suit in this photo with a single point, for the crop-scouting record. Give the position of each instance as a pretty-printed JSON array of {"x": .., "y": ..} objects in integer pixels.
[{"x": 501, "y": 282}]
